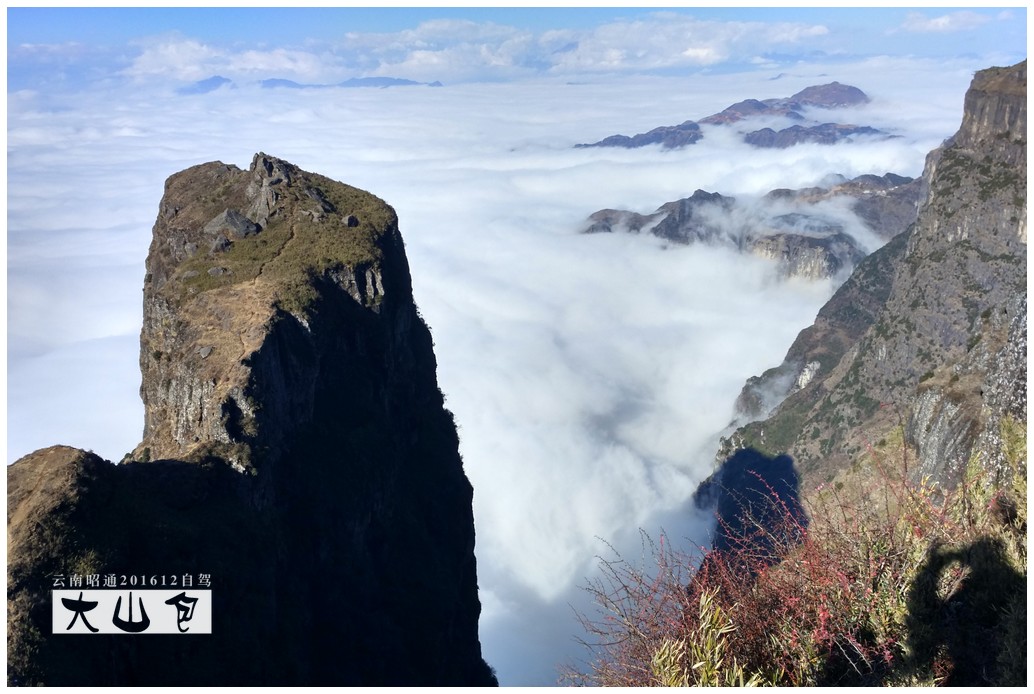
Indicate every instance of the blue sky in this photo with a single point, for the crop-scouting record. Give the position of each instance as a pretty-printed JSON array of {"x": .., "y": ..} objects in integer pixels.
[
  {"x": 292, "y": 25},
  {"x": 73, "y": 47}
]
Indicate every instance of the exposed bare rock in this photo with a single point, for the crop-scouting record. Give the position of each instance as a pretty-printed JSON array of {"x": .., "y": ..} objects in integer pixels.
[
  {"x": 809, "y": 257},
  {"x": 233, "y": 223}
]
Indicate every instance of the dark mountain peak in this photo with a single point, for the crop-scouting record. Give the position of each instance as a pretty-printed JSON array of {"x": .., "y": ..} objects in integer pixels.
[
  {"x": 296, "y": 450},
  {"x": 276, "y": 82},
  {"x": 750, "y": 108},
  {"x": 379, "y": 82},
  {"x": 704, "y": 196},
  {"x": 206, "y": 85},
  {"x": 830, "y": 96},
  {"x": 823, "y": 134},
  {"x": 669, "y": 136}
]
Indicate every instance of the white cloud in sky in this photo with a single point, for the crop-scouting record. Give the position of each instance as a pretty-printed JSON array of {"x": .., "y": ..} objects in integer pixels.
[
  {"x": 669, "y": 40},
  {"x": 278, "y": 61},
  {"x": 963, "y": 20},
  {"x": 177, "y": 58},
  {"x": 462, "y": 50},
  {"x": 48, "y": 49},
  {"x": 589, "y": 375},
  {"x": 434, "y": 34},
  {"x": 185, "y": 59},
  {"x": 453, "y": 50},
  {"x": 660, "y": 40}
]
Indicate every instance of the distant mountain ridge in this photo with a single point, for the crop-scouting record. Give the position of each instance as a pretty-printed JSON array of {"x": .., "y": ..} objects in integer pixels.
[
  {"x": 207, "y": 85},
  {"x": 351, "y": 83},
  {"x": 215, "y": 82},
  {"x": 825, "y": 96},
  {"x": 790, "y": 227}
]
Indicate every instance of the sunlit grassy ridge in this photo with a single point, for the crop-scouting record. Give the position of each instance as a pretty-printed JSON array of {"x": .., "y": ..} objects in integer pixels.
[
  {"x": 892, "y": 583},
  {"x": 300, "y": 241}
]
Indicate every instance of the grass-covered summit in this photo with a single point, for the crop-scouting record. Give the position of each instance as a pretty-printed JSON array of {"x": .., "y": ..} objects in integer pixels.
[{"x": 274, "y": 223}]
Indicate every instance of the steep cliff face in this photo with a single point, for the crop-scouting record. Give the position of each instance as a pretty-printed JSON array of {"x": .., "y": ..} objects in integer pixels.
[
  {"x": 937, "y": 344},
  {"x": 240, "y": 262},
  {"x": 296, "y": 448},
  {"x": 849, "y": 313}
]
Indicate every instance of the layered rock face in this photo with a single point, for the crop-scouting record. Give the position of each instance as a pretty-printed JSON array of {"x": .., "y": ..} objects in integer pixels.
[
  {"x": 930, "y": 331},
  {"x": 296, "y": 448}
]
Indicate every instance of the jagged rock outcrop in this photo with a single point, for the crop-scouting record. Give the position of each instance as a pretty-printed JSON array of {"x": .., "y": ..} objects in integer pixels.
[
  {"x": 807, "y": 256},
  {"x": 296, "y": 449},
  {"x": 941, "y": 349},
  {"x": 824, "y": 96},
  {"x": 792, "y": 228}
]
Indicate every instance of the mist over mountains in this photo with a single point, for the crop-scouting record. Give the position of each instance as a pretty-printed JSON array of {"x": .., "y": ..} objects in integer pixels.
[
  {"x": 816, "y": 101},
  {"x": 817, "y": 233},
  {"x": 951, "y": 300},
  {"x": 589, "y": 375}
]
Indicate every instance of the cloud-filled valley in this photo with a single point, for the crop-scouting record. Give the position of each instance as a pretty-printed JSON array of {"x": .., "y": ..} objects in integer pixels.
[{"x": 590, "y": 375}]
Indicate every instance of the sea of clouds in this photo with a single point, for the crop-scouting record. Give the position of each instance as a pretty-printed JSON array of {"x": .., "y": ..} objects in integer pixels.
[{"x": 589, "y": 374}]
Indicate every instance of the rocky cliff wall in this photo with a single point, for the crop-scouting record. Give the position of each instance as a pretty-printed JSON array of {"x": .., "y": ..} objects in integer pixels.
[
  {"x": 936, "y": 344},
  {"x": 994, "y": 116},
  {"x": 296, "y": 449}
]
